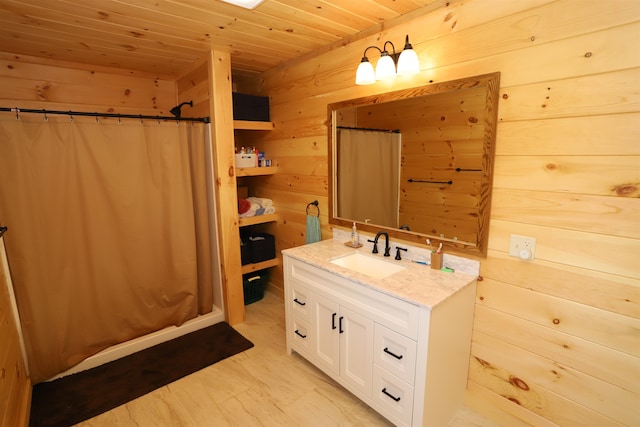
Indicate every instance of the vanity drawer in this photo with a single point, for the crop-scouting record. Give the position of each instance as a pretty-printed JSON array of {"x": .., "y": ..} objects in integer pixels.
[
  {"x": 395, "y": 353},
  {"x": 301, "y": 333},
  {"x": 301, "y": 302},
  {"x": 392, "y": 397}
]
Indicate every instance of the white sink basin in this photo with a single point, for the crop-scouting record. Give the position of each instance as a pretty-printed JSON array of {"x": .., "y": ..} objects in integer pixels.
[{"x": 368, "y": 265}]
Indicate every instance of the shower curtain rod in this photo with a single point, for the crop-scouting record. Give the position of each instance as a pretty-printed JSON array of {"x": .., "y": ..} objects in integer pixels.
[
  {"x": 370, "y": 129},
  {"x": 118, "y": 116}
]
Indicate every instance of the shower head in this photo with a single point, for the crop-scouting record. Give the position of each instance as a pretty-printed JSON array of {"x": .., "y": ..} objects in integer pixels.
[{"x": 176, "y": 110}]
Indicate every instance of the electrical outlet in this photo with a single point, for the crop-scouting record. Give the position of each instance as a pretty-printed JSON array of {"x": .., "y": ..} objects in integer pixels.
[{"x": 523, "y": 247}]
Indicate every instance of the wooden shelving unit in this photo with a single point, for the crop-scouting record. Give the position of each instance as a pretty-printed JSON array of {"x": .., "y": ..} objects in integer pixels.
[
  {"x": 250, "y": 268},
  {"x": 240, "y": 172},
  {"x": 260, "y": 219},
  {"x": 250, "y": 125},
  {"x": 259, "y": 171}
]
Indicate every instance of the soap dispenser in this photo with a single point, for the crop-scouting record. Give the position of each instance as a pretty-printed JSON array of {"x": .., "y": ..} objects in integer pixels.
[{"x": 355, "y": 239}]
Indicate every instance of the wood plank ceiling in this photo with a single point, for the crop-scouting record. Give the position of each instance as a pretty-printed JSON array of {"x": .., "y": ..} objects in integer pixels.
[{"x": 165, "y": 37}]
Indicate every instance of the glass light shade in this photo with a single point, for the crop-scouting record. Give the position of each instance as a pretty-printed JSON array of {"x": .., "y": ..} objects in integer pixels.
[
  {"x": 247, "y": 4},
  {"x": 385, "y": 68},
  {"x": 365, "y": 74},
  {"x": 408, "y": 63}
]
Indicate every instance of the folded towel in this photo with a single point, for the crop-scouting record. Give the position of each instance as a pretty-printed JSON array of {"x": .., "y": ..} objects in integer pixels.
[
  {"x": 243, "y": 206},
  {"x": 259, "y": 211},
  {"x": 265, "y": 203},
  {"x": 248, "y": 214},
  {"x": 269, "y": 210}
]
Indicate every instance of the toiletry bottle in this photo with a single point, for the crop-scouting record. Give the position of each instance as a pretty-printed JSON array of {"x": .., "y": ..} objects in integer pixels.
[{"x": 354, "y": 236}]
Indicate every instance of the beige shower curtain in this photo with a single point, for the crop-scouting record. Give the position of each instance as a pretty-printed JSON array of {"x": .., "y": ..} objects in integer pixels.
[
  {"x": 368, "y": 176},
  {"x": 108, "y": 231}
]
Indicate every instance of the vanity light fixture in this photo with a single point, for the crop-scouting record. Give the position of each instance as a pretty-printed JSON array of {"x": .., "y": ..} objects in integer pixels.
[
  {"x": 407, "y": 64},
  {"x": 247, "y": 4}
]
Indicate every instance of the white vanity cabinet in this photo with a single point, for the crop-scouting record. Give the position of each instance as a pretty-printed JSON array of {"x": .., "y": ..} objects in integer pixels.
[{"x": 408, "y": 362}]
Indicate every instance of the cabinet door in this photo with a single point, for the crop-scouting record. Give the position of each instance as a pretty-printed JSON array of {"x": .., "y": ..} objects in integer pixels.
[
  {"x": 356, "y": 351},
  {"x": 326, "y": 338}
]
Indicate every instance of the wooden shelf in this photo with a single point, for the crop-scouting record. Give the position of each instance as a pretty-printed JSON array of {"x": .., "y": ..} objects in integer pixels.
[
  {"x": 250, "y": 268},
  {"x": 256, "y": 171},
  {"x": 260, "y": 219},
  {"x": 250, "y": 125}
]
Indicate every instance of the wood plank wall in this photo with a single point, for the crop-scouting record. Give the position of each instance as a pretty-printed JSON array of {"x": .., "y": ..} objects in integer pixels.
[
  {"x": 28, "y": 82},
  {"x": 555, "y": 339},
  {"x": 15, "y": 385}
]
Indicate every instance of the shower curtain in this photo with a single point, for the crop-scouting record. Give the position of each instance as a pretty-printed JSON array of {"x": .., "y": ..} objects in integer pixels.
[
  {"x": 369, "y": 176},
  {"x": 109, "y": 231}
]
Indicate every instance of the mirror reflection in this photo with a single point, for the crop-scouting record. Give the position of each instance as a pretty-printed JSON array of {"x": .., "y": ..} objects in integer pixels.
[{"x": 417, "y": 162}]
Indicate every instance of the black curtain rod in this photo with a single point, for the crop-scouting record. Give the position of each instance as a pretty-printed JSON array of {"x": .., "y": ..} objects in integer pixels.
[
  {"x": 118, "y": 116},
  {"x": 371, "y": 129}
]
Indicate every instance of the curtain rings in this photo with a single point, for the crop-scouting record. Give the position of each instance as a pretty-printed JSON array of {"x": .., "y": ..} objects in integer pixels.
[
  {"x": 17, "y": 111},
  {"x": 70, "y": 117},
  {"x": 46, "y": 118}
]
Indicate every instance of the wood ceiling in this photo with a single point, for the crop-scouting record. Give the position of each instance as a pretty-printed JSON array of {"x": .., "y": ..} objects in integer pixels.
[{"x": 165, "y": 37}]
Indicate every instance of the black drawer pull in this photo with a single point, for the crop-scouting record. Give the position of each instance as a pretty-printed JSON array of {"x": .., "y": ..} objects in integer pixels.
[
  {"x": 386, "y": 350},
  {"x": 340, "y": 323},
  {"x": 301, "y": 303},
  {"x": 333, "y": 321},
  {"x": 384, "y": 390},
  {"x": 299, "y": 334}
]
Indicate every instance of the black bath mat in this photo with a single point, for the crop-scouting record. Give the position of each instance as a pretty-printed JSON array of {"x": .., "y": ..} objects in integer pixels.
[{"x": 78, "y": 397}]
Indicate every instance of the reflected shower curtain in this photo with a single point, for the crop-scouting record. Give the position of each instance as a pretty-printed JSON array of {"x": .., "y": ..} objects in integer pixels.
[
  {"x": 108, "y": 231},
  {"x": 368, "y": 176}
]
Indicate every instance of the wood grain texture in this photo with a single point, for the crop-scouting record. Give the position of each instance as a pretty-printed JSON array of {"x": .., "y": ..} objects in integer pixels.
[
  {"x": 221, "y": 113},
  {"x": 68, "y": 87},
  {"x": 15, "y": 384},
  {"x": 166, "y": 38},
  {"x": 566, "y": 172}
]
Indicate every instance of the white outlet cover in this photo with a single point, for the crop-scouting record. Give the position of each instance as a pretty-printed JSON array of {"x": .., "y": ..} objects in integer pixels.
[{"x": 523, "y": 247}]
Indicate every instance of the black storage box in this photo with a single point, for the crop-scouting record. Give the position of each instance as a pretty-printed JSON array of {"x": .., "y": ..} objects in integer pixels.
[
  {"x": 250, "y": 107},
  {"x": 262, "y": 246},
  {"x": 253, "y": 286},
  {"x": 245, "y": 250}
]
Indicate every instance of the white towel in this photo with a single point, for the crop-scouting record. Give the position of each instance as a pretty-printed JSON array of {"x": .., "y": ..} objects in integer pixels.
[
  {"x": 248, "y": 214},
  {"x": 265, "y": 203}
]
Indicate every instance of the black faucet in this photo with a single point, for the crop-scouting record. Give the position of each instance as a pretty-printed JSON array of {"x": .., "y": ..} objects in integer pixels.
[{"x": 386, "y": 243}]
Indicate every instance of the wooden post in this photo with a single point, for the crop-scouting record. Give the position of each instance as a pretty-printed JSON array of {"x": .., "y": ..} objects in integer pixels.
[{"x": 221, "y": 113}]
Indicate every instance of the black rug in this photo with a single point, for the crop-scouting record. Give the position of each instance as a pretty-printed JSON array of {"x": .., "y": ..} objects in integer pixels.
[{"x": 78, "y": 397}]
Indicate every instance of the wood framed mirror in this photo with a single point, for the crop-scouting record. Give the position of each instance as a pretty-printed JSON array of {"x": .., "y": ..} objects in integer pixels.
[{"x": 417, "y": 163}]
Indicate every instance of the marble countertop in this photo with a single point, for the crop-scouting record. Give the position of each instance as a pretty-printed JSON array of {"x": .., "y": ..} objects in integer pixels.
[{"x": 417, "y": 284}]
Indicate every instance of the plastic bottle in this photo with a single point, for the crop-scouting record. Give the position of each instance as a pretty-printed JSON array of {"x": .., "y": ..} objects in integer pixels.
[{"x": 355, "y": 240}]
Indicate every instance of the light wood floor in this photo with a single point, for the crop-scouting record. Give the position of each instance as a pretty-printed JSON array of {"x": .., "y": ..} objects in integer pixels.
[{"x": 262, "y": 386}]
